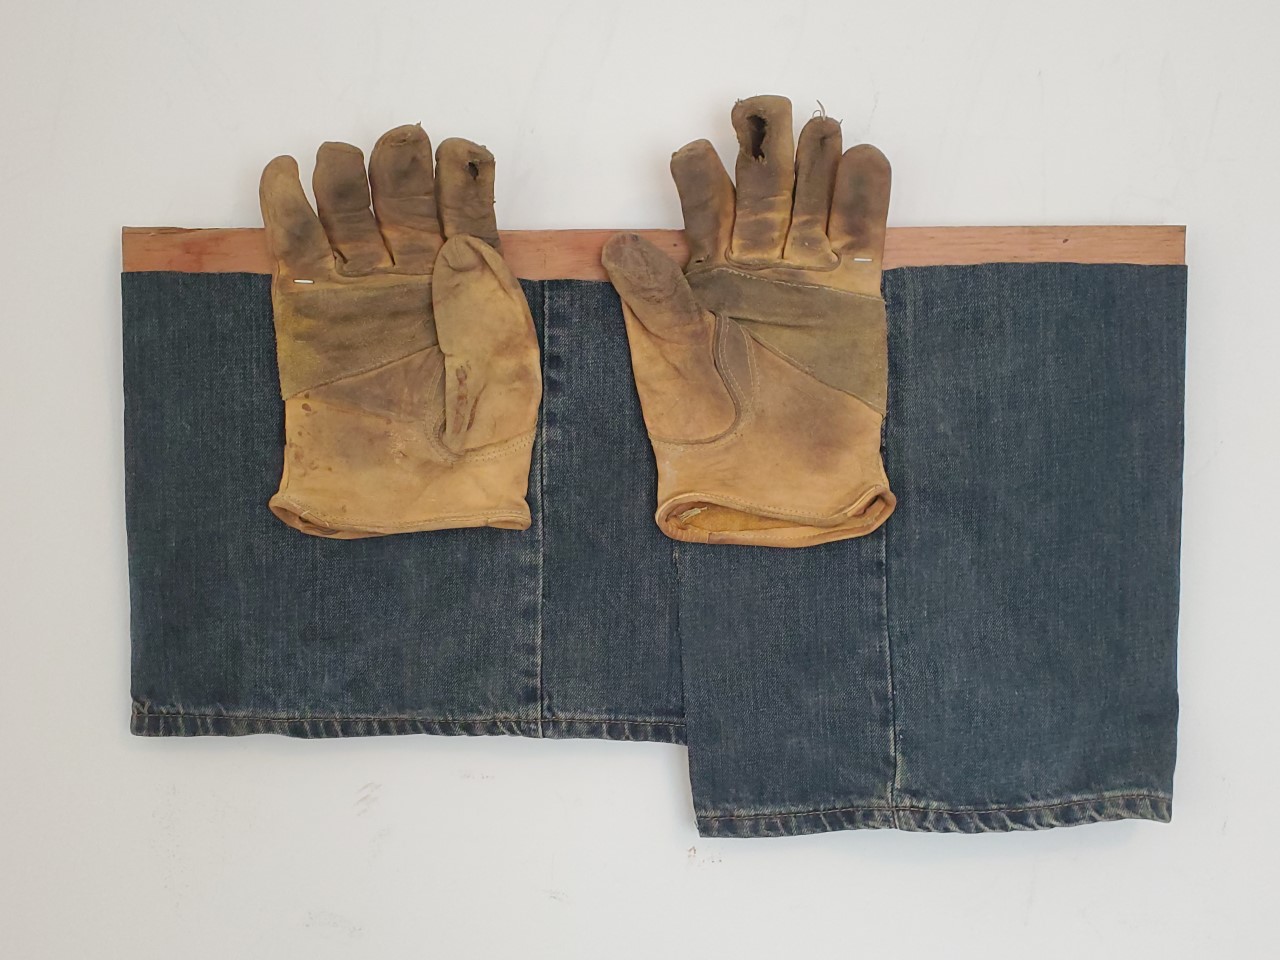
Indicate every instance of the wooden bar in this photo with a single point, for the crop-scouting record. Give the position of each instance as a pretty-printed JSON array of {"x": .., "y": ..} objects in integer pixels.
[{"x": 575, "y": 254}]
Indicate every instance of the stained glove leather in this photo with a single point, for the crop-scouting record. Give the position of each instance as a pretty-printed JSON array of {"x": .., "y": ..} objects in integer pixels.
[
  {"x": 408, "y": 359},
  {"x": 762, "y": 368}
]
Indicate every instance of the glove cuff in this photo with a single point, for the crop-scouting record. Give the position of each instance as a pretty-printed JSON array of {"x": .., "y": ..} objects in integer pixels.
[{"x": 712, "y": 518}]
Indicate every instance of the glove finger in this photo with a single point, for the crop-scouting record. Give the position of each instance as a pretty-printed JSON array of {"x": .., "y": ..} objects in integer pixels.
[
  {"x": 860, "y": 206},
  {"x": 294, "y": 235},
  {"x": 402, "y": 181},
  {"x": 464, "y": 186},
  {"x": 765, "y": 175},
  {"x": 706, "y": 197},
  {"x": 817, "y": 155},
  {"x": 652, "y": 286},
  {"x": 492, "y": 377},
  {"x": 342, "y": 200},
  {"x": 672, "y": 343}
]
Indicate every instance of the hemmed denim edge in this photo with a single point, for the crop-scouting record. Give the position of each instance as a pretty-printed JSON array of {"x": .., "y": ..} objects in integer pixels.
[
  {"x": 146, "y": 722},
  {"x": 1070, "y": 813}
]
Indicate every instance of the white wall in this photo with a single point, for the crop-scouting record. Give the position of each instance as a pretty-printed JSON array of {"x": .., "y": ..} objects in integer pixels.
[{"x": 1007, "y": 111}]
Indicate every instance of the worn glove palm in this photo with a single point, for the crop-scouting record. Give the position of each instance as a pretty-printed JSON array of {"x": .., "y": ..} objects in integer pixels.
[
  {"x": 408, "y": 358},
  {"x": 762, "y": 370}
]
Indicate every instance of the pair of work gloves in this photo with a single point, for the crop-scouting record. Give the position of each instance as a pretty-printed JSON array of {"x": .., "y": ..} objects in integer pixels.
[{"x": 409, "y": 361}]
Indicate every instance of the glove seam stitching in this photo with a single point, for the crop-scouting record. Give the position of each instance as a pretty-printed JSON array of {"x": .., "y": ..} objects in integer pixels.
[
  {"x": 809, "y": 372},
  {"x": 743, "y": 405},
  {"x": 384, "y": 361},
  {"x": 822, "y": 288}
]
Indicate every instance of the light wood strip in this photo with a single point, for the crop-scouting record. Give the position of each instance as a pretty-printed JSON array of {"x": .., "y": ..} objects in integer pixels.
[{"x": 575, "y": 254}]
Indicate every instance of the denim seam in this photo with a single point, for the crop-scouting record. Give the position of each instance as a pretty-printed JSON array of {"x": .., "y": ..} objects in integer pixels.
[
  {"x": 1088, "y": 798},
  {"x": 542, "y": 514},
  {"x": 895, "y": 746},
  {"x": 895, "y": 755},
  {"x": 327, "y": 729},
  {"x": 142, "y": 711},
  {"x": 923, "y": 808},
  {"x": 1157, "y": 808},
  {"x": 878, "y": 808},
  {"x": 675, "y": 565}
]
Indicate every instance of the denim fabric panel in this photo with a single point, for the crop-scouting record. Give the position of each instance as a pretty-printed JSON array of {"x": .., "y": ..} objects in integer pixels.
[
  {"x": 1027, "y": 585},
  {"x": 242, "y": 625},
  {"x": 1034, "y": 440},
  {"x": 609, "y": 641},
  {"x": 787, "y": 684}
]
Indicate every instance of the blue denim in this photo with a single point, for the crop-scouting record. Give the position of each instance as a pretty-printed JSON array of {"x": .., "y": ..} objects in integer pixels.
[
  {"x": 242, "y": 625},
  {"x": 1001, "y": 655}
]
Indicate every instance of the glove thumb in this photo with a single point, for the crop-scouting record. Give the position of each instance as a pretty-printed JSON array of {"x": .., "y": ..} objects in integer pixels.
[
  {"x": 492, "y": 377},
  {"x": 673, "y": 340}
]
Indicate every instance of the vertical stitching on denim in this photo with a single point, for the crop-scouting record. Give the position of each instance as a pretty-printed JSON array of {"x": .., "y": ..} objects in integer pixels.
[
  {"x": 684, "y": 693},
  {"x": 892, "y": 792},
  {"x": 895, "y": 782},
  {"x": 542, "y": 514},
  {"x": 675, "y": 567}
]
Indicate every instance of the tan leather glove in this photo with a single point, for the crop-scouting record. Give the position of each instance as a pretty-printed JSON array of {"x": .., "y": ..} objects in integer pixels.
[
  {"x": 762, "y": 370},
  {"x": 408, "y": 358}
]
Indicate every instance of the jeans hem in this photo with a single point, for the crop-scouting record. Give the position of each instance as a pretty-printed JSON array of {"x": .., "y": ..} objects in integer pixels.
[
  {"x": 936, "y": 819},
  {"x": 149, "y": 722}
]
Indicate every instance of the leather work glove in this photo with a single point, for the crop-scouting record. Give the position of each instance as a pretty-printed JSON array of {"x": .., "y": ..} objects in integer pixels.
[
  {"x": 762, "y": 370},
  {"x": 408, "y": 358}
]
